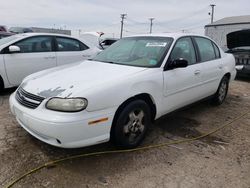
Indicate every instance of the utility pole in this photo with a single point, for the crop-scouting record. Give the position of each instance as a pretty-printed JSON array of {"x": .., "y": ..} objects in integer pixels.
[
  {"x": 79, "y": 32},
  {"x": 151, "y": 24},
  {"x": 123, "y": 16},
  {"x": 212, "y": 14}
]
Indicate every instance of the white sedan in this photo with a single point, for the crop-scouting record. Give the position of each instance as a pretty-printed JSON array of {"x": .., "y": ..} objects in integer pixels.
[
  {"x": 24, "y": 54},
  {"x": 119, "y": 93}
]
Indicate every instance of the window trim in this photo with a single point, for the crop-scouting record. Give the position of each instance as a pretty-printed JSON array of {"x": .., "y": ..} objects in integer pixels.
[
  {"x": 6, "y": 49},
  {"x": 195, "y": 51},
  {"x": 81, "y": 44}
]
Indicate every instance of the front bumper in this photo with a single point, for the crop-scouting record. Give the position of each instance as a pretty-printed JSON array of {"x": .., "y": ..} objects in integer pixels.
[
  {"x": 66, "y": 130},
  {"x": 245, "y": 71}
]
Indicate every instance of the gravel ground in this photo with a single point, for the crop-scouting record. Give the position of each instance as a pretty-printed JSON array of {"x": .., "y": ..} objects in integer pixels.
[{"x": 219, "y": 160}]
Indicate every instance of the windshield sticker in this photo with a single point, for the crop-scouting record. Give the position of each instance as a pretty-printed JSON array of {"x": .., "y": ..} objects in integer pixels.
[
  {"x": 156, "y": 44},
  {"x": 152, "y": 62}
]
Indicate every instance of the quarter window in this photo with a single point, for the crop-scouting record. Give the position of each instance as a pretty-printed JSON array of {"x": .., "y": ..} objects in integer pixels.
[
  {"x": 35, "y": 44},
  {"x": 67, "y": 44},
  {"x": 205, "y": 48},
  {"x": 184, "y": 49}
]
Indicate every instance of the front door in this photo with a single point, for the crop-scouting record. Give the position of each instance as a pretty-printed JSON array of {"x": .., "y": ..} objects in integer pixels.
[
  {"x": 36, "y": 54},
  {"x": 182, "y": 85}
]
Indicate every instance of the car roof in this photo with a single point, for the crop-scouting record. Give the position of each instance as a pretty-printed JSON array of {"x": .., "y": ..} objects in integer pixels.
[
  {"x": 38, "y": 34},
  {"x": 21, "y": 36}
]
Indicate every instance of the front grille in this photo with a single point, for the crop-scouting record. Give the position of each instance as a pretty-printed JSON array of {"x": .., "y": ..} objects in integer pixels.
[
  {"x": 27, "y": 99},
  {"x": 242, "y": 61}
]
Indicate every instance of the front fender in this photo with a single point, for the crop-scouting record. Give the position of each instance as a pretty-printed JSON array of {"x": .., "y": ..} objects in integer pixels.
[{"x": 114, "y": 94}]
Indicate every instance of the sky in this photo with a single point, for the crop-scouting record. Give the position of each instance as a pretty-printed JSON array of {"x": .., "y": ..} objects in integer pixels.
[{"x": 104, "y": 15}]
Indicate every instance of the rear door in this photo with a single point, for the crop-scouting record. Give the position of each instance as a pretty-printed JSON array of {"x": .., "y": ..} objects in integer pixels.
[
  {"x": 182, "y": 86},
  {"x": 36, "y": 54},
  {"x": 69, "y": 50},
  {"x": 211, "y": 64}
]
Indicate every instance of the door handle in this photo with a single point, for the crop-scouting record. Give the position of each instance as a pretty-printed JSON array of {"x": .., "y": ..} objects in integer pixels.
[
  {"x": 220, "y": 66},
  {"x": 197, "y": 72},
  {"x": 86, "y": 55}
]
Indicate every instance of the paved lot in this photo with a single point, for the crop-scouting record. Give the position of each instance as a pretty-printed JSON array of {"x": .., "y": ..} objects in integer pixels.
[{"x": 202, "y": 163}]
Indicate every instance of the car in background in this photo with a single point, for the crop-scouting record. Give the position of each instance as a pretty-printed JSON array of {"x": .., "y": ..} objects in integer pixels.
[
  {"x": 239, "y": 45},
  {"x": 24, "y": 54},
  {"x": 116, "y": 95},
  {"x": 97, "y": 39},
  {"x": 18, "y": 30},
  {"x": 3, "y": 28},
  {"x": 4, "y": 34},
  {"x": 107, "y": 42}
]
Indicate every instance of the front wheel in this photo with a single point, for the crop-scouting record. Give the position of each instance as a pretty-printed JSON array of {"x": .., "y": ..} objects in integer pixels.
[
  {"x": 222, "y": 90},
  {"x": 132, "y": 124}
]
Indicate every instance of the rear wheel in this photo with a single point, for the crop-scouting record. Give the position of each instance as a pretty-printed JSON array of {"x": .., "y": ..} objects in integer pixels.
[
  {"x": 132, "y": 124},
  {"x": 222, "y": 90}
]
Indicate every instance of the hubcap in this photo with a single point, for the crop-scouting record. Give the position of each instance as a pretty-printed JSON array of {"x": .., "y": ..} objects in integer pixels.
[
  {"x": 134, "y": 126},
  {"x": 222, "y": 91}
]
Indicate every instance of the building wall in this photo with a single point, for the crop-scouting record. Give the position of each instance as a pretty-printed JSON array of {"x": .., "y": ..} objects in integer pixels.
[
  {"x": 219, "y": 33},
  {"x": 48, "y": 30}
]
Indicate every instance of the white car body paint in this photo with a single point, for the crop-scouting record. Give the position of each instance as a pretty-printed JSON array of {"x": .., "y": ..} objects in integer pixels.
[
  {"x": 14, "y": 67},
  {"x": 106, "y": 86}
]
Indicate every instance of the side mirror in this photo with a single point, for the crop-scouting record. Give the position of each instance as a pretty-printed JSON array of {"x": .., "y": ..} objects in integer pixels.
[
  {"x": 14, "y": 49},
  {"x": 178, "y": 63}
]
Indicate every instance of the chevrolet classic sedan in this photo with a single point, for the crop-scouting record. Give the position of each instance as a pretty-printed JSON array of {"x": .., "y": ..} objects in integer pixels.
[{"x": 117, "y": 95}]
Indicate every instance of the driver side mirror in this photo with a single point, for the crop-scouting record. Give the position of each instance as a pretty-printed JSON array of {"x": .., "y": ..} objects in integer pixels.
[
  {"x": 14, "y": 49},
  {"x": 177, "y": 63}
]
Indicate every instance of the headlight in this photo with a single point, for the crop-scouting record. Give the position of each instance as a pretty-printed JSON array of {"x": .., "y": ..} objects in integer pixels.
[{"x": 67, "y": 104}]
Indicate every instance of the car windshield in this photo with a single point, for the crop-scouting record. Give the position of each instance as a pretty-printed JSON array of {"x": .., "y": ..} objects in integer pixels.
[
  {"x": 136, "y": 51},
  {"x": 7, "y": 39}
]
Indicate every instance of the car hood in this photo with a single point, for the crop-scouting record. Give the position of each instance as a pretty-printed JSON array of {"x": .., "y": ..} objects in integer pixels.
[
  {"x": 67, "y": 81},
  {"x": 238, "y": 39}
]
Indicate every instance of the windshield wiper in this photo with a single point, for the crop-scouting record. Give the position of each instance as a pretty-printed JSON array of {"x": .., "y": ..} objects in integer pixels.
[{"x": 111, "y": 62}]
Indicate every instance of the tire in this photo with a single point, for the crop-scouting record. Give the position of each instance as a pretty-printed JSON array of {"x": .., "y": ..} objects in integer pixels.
[
  {"x": 131, "y": 125},
  {"x": 221, "y": 92}
]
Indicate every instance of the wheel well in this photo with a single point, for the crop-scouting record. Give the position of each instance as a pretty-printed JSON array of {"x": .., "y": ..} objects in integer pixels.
[
  {"x": 143, "y": 96},
  {"x": 1, "y": 83},
  {"x": 228, "y": 75}
]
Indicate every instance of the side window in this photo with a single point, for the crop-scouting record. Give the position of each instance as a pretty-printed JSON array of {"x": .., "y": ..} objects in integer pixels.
[
  {"x": 35, "y": 44},
  {"x": 68, "y": 44},
  {"x": 217, "y": 51},
  {"x": 184, "y": 49},
  {"x": 206, "y": 49}
]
